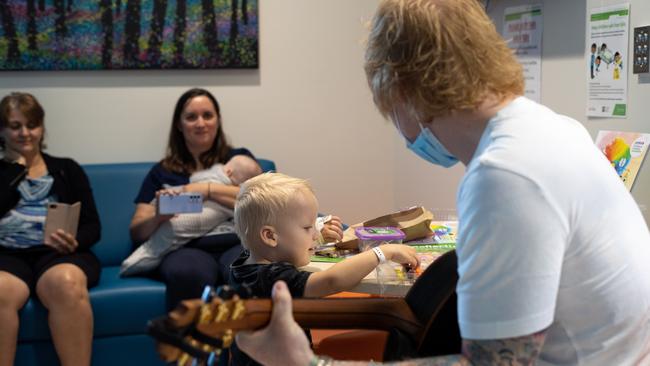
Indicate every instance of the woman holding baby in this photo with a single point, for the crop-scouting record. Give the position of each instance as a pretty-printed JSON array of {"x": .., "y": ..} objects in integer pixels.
[{"x": 196, "y": 143}]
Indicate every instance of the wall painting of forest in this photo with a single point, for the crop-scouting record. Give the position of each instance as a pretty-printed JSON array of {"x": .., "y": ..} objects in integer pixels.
[{"x": 128, "y": 34}]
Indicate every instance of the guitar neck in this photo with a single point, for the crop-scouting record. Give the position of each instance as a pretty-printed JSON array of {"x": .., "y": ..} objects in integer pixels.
[{"x": 373, "y": 313}]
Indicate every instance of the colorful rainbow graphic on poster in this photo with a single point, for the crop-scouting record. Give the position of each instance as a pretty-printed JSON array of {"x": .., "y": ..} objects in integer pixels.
[{"x": 625, "y": 151}]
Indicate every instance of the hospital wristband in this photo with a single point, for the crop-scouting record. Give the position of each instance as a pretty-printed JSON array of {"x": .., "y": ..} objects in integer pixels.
[{"x": 380, "y": 255}]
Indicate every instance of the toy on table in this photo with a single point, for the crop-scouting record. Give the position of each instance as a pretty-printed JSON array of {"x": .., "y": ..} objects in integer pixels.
[{"x": 371, "y": 237}]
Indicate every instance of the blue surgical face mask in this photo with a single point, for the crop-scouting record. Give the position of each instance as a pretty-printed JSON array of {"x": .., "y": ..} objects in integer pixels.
[{"x": 428, "y": 147}]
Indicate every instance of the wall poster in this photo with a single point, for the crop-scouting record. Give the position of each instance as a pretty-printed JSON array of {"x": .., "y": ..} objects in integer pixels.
[
  {"x": 606, "y": 55},
  {"x": 625, "y": 151},
  {"x": 522, "y": 28}
]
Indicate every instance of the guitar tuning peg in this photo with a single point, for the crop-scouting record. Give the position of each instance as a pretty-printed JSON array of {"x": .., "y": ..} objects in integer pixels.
[
  {"x": 208, "y": 294},
  {"x": 183, "y": 360},
  {"x": 226, "y": 292},
  {"x": 244, "y": 291}
]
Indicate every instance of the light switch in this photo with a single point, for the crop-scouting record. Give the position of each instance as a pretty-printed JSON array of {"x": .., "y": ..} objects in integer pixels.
[{"x": 641, "y": 50}]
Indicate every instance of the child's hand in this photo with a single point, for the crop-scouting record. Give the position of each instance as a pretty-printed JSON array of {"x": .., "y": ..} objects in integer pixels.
[
  {"x": 332, "y": 230},
  {"x": 400, "y": 253}
]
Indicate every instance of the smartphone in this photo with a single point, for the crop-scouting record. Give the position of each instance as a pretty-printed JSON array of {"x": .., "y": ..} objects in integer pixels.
[
  {"x": 61, "y": 216},
  {"x": 186, "y": 202}
]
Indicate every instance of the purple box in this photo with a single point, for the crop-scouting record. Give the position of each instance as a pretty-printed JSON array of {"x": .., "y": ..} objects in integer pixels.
[{"x": 370, "y": 237}]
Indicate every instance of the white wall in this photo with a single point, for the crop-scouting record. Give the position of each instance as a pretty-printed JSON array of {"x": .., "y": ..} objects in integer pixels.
[{"x": 307, "y": 107}]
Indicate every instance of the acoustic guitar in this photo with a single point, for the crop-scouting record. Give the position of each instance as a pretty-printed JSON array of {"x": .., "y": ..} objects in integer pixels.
[{"x": 423, "y": 323}]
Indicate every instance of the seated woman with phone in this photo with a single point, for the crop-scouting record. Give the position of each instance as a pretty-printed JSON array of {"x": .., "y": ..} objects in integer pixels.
[{"x": 58, "y": 268}]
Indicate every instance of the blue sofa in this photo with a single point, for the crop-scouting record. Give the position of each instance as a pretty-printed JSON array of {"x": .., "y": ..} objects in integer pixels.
[{"x": 121, "y": 306}]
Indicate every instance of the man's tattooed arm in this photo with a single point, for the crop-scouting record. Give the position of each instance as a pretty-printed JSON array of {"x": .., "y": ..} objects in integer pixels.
[{"x": 519, "y": 351}]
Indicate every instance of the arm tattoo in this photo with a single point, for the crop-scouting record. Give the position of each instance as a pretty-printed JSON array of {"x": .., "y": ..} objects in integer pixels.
[
  {"x": 520, "y": 351},
  {"x": 508, "y": 352},
  {"x": 455, "y": 360}
]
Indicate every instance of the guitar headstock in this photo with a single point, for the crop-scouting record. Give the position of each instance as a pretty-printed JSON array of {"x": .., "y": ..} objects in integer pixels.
[{"x": 196, "y": 332}]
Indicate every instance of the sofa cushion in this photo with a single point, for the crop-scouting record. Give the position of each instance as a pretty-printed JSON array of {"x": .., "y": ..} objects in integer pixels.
[
  {"x": 121, "y": 306},
  {"x": 114, "y": 188},
  {"x": 124, "y": 305},
  {"x": 139, "y": 349},
  {"x": 266, "y": 165}
]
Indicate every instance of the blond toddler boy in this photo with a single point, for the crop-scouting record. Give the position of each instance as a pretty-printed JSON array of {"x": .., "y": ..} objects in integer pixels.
[{"x": 274, "y": 217}]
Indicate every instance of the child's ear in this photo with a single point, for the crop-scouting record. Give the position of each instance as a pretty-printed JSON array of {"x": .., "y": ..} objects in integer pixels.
[{"x": 269, "y": 236}]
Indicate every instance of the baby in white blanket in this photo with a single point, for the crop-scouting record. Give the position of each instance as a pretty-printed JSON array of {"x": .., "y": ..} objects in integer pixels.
[{"x": 182, "y": 228}]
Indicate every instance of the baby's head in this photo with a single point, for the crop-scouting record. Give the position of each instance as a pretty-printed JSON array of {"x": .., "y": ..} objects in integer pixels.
[
  {"x": 275, "y": 216},
  {"x": 240, "y": 168}
]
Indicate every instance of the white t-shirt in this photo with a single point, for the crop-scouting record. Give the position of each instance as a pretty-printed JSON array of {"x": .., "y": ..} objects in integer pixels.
[{"x": 549, "y": 237}]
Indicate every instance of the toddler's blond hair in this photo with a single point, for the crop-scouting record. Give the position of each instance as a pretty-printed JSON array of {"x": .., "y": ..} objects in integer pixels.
[{"x": 262, "y": 200}]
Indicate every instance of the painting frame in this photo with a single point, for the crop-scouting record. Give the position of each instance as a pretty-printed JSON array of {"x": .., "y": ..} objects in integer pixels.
[{"x": 128, "y": 34}]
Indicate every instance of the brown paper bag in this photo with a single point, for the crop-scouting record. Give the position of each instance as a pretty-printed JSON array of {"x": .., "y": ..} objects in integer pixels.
[{"x": 414, "y": 222}]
